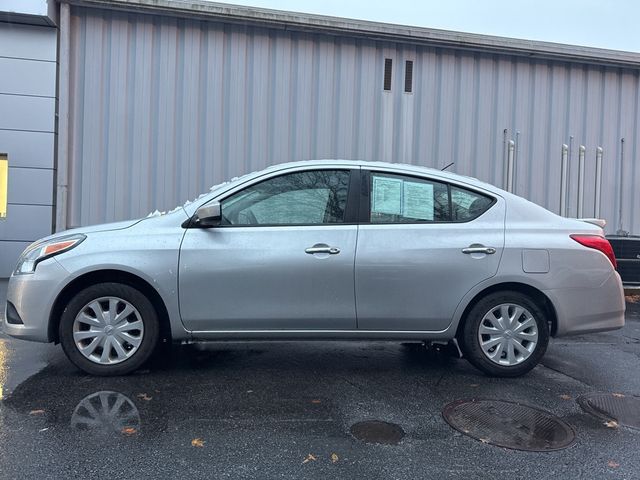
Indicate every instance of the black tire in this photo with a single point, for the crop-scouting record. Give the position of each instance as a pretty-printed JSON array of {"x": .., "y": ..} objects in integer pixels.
[
  {"x": 470, "y": 341},
  {"x": 138, "y": 300}
]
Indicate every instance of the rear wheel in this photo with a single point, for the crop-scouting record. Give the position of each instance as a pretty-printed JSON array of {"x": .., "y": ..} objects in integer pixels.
[
  {"x": 109, "y": 329},
  {"x": 505, "y": 334}
]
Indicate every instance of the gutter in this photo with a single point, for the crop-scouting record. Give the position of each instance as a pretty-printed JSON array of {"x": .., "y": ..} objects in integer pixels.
[{"x": 311, "y": 23}]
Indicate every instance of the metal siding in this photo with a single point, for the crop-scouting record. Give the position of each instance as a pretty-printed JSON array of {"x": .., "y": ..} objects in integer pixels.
[
  {"x": 27, "y": 42},
  {"x": 24, "y": 223},
  {"x": 31, "y": 186},
  {"x": 162, "y": 107},
  {"x": 28, "y": 149},
  {"x": 27, "y": 124}
]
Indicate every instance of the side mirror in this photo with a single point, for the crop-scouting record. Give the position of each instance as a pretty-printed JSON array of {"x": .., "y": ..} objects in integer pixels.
[{"x": 209, "y": 215}]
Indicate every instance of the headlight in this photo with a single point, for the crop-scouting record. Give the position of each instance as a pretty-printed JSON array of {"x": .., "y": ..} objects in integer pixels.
[{"x": 40, "y": 250}]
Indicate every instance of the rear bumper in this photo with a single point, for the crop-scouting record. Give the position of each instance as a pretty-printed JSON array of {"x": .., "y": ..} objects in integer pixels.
[{"x": 589, "y": 310}]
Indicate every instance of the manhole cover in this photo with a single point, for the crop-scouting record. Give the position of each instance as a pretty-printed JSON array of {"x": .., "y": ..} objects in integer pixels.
[
  {"x": 623, "y": 409},
  {"x": 509, "y": 425},
  {"x": 376, "y": 431}
]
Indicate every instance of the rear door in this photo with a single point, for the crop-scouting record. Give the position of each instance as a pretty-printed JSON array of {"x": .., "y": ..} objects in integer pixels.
[{"x": 422, "y": 245}]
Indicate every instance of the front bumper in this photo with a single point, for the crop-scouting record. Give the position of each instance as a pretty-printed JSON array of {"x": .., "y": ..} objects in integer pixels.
[
  {"x": 589, "y": 310},
  {"x": 32, "y": 296}
]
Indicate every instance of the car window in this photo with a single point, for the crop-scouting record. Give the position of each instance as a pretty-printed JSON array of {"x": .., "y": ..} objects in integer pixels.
[
  {"x": 403, "y": 199},
  {"x": 307, "y": 198},
  {"x": 467, "y": 205}
]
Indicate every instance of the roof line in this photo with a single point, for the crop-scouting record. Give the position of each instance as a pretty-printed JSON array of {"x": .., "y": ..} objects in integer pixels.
[{"x": 372, "y": 30}]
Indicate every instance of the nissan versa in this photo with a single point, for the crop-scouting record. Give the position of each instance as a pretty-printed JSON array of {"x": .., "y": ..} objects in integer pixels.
[{"x": 323, "y": 250}]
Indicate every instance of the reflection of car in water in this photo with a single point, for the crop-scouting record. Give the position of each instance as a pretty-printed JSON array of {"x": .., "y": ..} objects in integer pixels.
[
  {"x": 107, "y": 411},
  {"x": 91, "y": 408},
  {"x": 190, "y": 390}
]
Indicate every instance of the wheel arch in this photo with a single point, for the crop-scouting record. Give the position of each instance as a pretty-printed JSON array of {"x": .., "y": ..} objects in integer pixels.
[
  {"x": 537, "y": 295},
  {"x": 101, "y": 276}
]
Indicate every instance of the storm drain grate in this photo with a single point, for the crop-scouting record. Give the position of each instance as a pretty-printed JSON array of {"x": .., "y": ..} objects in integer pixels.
[
  {"x": 377, "y": 431},
  {"x": 623, "y": 409},
  {"x": 509, "y": 425}
]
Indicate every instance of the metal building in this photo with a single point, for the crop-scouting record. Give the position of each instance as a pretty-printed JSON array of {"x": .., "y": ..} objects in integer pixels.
[
  {"x": 159, "y": 99},
  {"x": 28, "y": 46}
]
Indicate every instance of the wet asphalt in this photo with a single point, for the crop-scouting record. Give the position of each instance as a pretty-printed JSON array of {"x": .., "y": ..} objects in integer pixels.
[{"x": 285, "y": 410}]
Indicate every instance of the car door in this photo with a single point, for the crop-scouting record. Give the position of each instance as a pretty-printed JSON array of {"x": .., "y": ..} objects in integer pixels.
[
  {"x": 422, "y": 246},
  {"x": 282, "y": 258}
]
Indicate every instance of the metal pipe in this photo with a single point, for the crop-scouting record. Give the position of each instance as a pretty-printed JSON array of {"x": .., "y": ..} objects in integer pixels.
[
  {"x": 581, "y": 152},
  {"x": 621, "y": 231},
  {"x": 567, "y": 190},
  {"x": 62, "y": 154},
  {"x": 514, "y": 172},
  {"x": 596, "y": 206},
  {"x": 510, "y": 165},
  {"x": 504, "y": 158},
  {"x": 563, "y": 178}
]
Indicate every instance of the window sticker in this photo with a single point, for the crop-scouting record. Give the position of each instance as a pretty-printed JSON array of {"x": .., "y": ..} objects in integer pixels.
[
  {"x": 387, "y": 195},
  {"x": 462, "y": 199},
  {"x": 417, "y": 200}
]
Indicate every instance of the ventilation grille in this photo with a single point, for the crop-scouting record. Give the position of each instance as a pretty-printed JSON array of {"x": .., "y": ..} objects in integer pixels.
[
  {"x": 408, "y": 76},
  {"x": 388, "y": 66}
]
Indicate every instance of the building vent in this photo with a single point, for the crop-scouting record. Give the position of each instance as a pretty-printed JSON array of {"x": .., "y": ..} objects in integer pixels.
[
  {"x": 388, "y": 65},
  {"x": 408, "y": 76}
]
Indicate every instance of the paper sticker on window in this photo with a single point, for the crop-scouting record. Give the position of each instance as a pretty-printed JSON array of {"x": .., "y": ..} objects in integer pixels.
[
  {"x": 462, "y": 199},
  {"x": 4, "y": 174},
  {"x": 417, "y": 201},
  {"x": 387, "y": 195}
]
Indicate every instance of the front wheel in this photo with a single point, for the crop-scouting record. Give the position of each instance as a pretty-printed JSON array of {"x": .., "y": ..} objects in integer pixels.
[
  {"x": 109, "y": 329},
  {"x": 505, "y": 334}
]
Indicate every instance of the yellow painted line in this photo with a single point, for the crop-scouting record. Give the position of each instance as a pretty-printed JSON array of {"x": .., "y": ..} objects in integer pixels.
[{"x": 4, "y": 180}]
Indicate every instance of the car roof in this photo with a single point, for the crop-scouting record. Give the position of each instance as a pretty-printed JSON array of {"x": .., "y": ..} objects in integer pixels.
[{"x": 401, "y": 167}]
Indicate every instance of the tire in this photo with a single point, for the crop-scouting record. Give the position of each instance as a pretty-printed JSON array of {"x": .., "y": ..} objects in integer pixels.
[
  {"x": 114, "y": 315},
  {"x": 489, "y": 343}
]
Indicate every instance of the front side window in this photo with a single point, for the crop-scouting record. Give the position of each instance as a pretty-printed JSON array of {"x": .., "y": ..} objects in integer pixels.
[
  {"x": 405, "y": 199},
  {"x": 302, "y": 198}
]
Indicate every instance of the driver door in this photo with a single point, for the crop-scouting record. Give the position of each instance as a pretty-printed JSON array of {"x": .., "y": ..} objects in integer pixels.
[{"x": 282, "y": 259}]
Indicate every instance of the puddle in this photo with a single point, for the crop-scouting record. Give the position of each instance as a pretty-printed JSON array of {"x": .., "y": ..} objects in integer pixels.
[
  {"x": 377, "y": 431},
  {"x": 106, "y": 412}
]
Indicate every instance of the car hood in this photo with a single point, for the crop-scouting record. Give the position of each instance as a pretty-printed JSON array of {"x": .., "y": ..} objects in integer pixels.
[{"x": 103, "y": 227}]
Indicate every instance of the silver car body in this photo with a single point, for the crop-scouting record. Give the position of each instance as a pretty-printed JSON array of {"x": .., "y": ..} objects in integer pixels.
[{"x": 401, "y": 281}]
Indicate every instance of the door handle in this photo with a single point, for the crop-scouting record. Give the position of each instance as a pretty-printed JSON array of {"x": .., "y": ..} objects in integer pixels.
[
  {"x": 322, "y": 248},
  {"x": 476, "y": 248}
]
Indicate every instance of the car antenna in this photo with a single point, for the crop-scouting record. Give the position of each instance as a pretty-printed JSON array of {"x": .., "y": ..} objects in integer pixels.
[{"x": 444, "y": 168}]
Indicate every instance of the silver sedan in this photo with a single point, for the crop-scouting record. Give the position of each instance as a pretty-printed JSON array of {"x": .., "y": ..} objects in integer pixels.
[{"x": 323, "y": 250}]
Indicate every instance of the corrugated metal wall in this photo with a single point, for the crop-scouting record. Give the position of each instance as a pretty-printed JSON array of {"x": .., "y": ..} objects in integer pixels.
[{"x": 161, "y": 108}]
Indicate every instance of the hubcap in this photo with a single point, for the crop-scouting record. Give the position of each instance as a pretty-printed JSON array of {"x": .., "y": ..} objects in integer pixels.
[
  {"x": 108, "y": 330},
  {"x": 508, "y": 334}
]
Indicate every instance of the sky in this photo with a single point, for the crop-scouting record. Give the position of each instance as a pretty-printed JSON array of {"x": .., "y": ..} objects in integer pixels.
[{"x": 612, "y": 24}]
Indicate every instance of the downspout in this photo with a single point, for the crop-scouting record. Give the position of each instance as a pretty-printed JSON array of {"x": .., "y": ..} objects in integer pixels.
[{"x": 62, "y": 173}]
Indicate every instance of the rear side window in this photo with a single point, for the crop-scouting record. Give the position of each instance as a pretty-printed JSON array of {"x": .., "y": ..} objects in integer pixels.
[
  {"x": 405, "y": 199},
  {"x": 467, "y": 205},
  {"x": 400, "y": 199}
]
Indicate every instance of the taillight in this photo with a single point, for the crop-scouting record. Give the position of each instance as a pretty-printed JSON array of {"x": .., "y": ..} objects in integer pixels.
[{"x": 599, "y": 243}]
